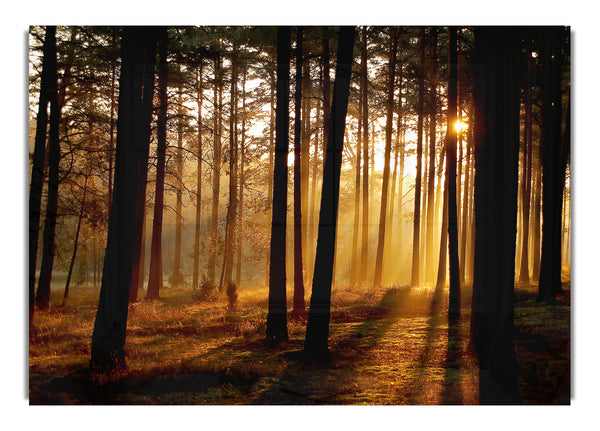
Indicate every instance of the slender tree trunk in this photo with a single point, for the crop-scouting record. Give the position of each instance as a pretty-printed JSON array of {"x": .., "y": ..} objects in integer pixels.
[
  {"x": 465, "y": 214},
  {"x": 365, "y": 145},
  {"x": 48, "y": 84},
  {"x": 111, "y": 147},
  {"x": 526, "y": 182},
  {"x": 155, "y": 278},
  {"x": 42, "y": 299},
  {"x": 298, "y": 303},
  {"x": 386, "y": 166},
  {"x": 454, "y": 305},
  {"x": 242, "y": 175},
  {"x": 414, "y": 279},
  {"x": 227, "y": 270},
  {"x": 317, "y": 330},
  {"x": 431, "y": 180},
  {"x": 216, "y": 173},
  {"x": 355, "y": 260},
  {"x": 277, "y": 316},
  {"x": 75, "y": 244},
  {"x": 442, "y": 261},
  {"x": 133, "y": 133},
  {"x": 199, "y": 101},
  {"x": 271, "y": 156},
  {"x": 177, "y": 277},
  {"x": 304, "y": 160}
]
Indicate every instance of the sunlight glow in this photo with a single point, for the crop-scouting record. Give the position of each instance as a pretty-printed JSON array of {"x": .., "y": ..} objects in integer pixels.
[{"x": 459, "y": 126}]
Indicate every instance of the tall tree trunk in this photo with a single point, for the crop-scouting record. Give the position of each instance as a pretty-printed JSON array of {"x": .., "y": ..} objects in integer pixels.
[
  {"x": 386, "y": 166},
  {"x": 216, "y": 171},
  {"x": 75, "y": 244},
  {"x": 177, "y": 277},
  {"x": 227, "y": 270},
  {"x": 42, "y": 299},
  {"x": 496, "y": 60},
  {"x": 526, "y": 179},
  {"x": 317, "y": 330},
  {"x": 304, "y": 159},
  {"x": 365, "y": 144},
  {"x": 552, "y": 168},
  {"x": 155, "y": 278},
  {"x": 242, "y": 184},
  {"x": 113, "y": 104},
  {"x": 414, "y": 279},
  {"x": 277, "y": 316},
  {"x": 271, "y": 156},
  {"x": 355, "y": 260},
  {"x": 454, "y": 305},
  {"x": 199, "y": 100},
  {"x": 133, "y": 133},
  {"x": 443, "y": 259},
  {"x": 48, "y": 84},
  {"x": 431, "y": 180},
  {"x": 299, "y": 306},
  {"x": 465, "y": 213}
]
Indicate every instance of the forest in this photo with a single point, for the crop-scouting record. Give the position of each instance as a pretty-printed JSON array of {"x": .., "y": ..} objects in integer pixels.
[{"x": 302, "y": 215}]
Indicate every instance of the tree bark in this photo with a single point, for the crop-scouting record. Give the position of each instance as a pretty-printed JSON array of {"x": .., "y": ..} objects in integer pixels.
[
  {"x": 276, "y": 331},
  {"x": 298, "y": 302},
  {"x": 431, "y": 181},
  {"x": 317, "y": 330},
  {"x": 42, "y": 299},
  {"x": 454, "y": 304},
  {"x": 496, "y": 60},
  {"x": 75, "y": 244},
  {"x": 133, "y": 131},
  {"x": 365, "y": 145},
  {"x": 414, "y": 279},
  {"x": 48, "y": 81},
  {"x": 199, "y": 101},
  {"x": 552, "y": 168},
  {"x": 155, "y": 278},
  {"x": 216, "y": 173},
  {"x": 386, "y": 166}
]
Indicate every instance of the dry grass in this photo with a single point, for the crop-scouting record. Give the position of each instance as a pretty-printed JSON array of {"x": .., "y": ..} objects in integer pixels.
[{"x": 389, "y": 346}]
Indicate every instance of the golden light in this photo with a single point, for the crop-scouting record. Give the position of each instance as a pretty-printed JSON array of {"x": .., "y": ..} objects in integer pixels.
[{"x": 459, "y": 126}]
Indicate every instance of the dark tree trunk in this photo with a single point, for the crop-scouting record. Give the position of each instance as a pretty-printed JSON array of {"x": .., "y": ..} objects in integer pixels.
[
  {"x": 177, "y": 277},
  {"x": 230, "y": 229},
  {"x": 133, "y": 131},
  {"x": 277, "y": 316},
  {"x": 526, "y": 179},
  {"x": 42, "y": 299},
  {"x": 271, "y": 156},
  {"x": 386, "y": 166},
  {"x": 75, "y": 244},
  {"x": 298, "y": 303},
  {"x": 155, "y": 278},
  {"x": 365, "y": 145},
  {"x": 414, "y": 278},
  {"x": 317, "y": 330},
  {"x": 443, "y": 259},
  {"x": 431, "y": 179},
  {"x": 496, "y": 60},
  {"x": 216, "y": 172},
  {"x": 553, "y": 168},
  {"x": 196, "y": 269},
  {"x": 355, "y": 258},
  {"x": 48, "y": 84},
  {"x": 242, "y": 185},
  {"x": 454, "y": 304}
]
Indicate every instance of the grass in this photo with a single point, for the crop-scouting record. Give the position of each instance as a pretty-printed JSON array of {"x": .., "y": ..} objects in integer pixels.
[{"x": 389, "y": 346}]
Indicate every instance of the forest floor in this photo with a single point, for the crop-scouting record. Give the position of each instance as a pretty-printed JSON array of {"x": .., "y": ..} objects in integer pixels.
[{"x": 389, "y": 346}]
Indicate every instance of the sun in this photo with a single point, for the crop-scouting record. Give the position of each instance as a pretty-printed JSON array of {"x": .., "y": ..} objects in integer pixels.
[{"x": 459, "y": 126}]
